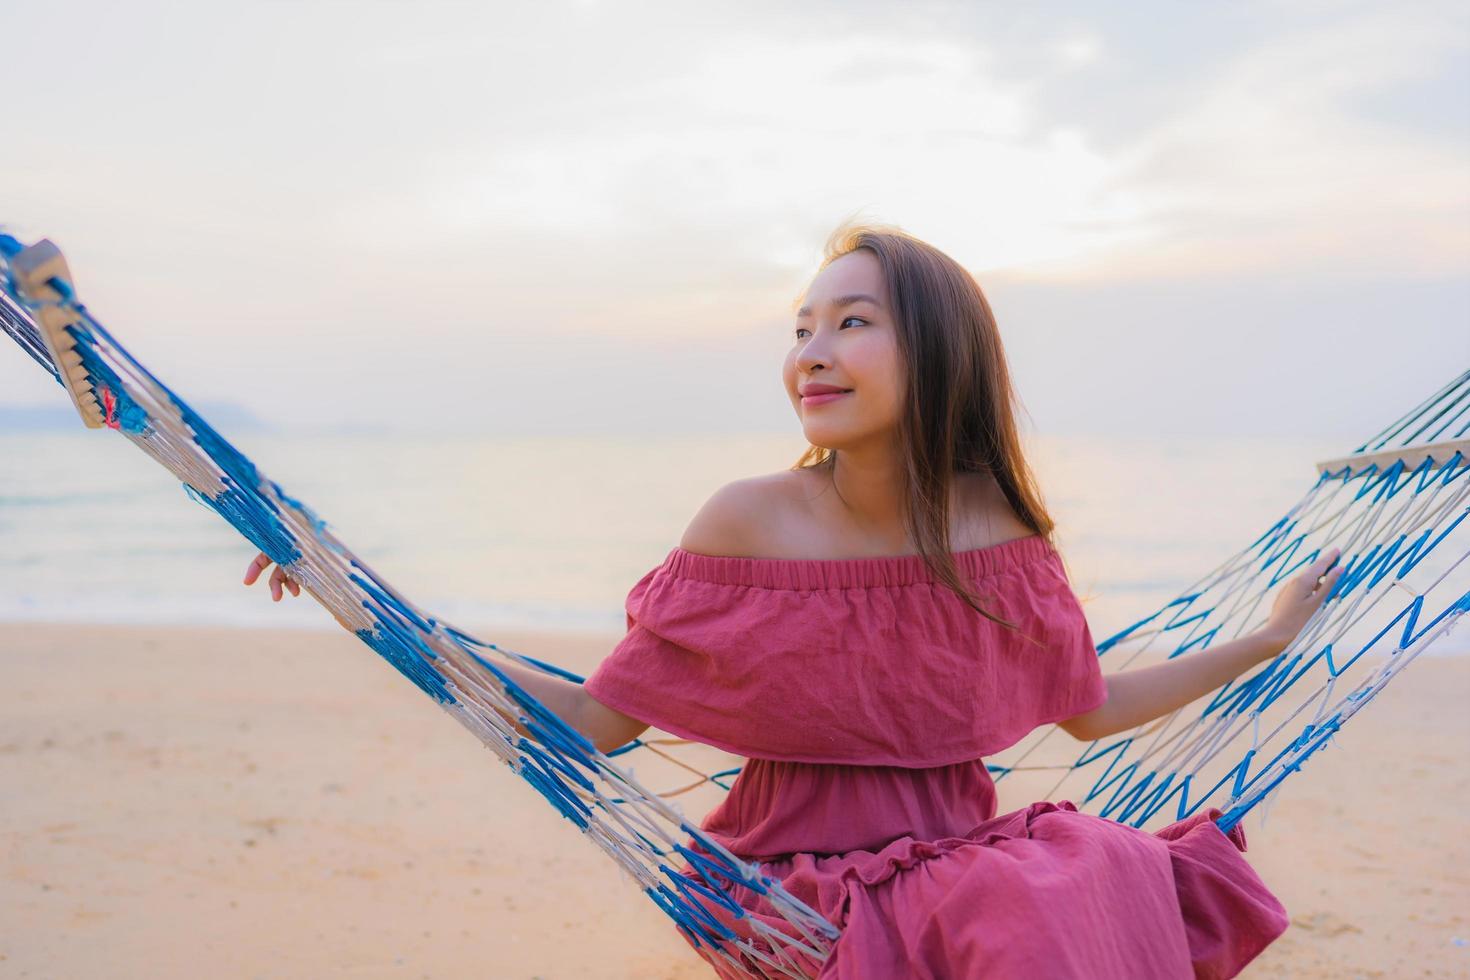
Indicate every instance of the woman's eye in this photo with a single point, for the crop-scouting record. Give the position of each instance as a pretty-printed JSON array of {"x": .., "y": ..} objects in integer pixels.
[{"x": 801, "y": 330}]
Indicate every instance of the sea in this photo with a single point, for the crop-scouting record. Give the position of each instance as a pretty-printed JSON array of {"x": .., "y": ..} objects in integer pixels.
[{"x": 550, "y": 532}]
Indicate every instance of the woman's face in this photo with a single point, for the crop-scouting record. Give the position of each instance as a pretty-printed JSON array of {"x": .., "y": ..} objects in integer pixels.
[{"x": 844, "y": 336}]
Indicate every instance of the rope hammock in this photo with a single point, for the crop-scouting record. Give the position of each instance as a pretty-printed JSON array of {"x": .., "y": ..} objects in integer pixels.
[{"x": 1396, "y": 506}]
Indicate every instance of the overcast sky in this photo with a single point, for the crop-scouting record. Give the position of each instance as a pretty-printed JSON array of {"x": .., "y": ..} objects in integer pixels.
[{"x": 592, "y": 217}]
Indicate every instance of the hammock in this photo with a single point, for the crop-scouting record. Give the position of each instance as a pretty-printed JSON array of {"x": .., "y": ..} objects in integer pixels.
[{"x": 1396, "y": 506}]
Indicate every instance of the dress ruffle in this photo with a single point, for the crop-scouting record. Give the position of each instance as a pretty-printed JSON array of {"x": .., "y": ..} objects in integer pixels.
[
  {"x": 1044, "y": 891},
  {"x": 856, "y": 662}
]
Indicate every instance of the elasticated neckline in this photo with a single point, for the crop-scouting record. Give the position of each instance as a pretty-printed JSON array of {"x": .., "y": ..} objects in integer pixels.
[{"x": 807, "y": 574}]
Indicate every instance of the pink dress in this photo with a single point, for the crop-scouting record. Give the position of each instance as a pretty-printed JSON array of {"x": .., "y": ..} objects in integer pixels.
[{"x": 865, "y": 697}]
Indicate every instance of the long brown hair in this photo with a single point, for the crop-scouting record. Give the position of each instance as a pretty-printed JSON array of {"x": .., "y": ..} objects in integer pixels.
[{"x": 959, "y": 412}]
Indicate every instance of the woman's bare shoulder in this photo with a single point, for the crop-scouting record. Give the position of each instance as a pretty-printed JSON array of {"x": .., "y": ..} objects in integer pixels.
[
  {"x": 781, "y": 515},
  {"x": 983, "y": 516},
  {"x": 749, "y": 517}
]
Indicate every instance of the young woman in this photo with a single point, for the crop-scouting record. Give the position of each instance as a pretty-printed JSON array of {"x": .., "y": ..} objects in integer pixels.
[{"x": 866, "y": 627}]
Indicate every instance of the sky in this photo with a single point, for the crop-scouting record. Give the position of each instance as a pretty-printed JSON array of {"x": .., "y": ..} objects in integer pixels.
[{"x": 582, "y": 218}]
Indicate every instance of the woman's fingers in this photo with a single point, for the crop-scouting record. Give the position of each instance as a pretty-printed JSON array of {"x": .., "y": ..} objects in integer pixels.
[
  {"x": 258, "y": 565},
  {"x": 1299, "y": 601},
  {"x": 279, "y": 581},
  {"x": 1315, "y": 591},
  {"x": 1318, "y": 574},
  {"x": 1318, "y": 581}
]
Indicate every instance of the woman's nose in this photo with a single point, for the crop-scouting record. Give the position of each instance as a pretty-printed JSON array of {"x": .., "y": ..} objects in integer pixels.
[{"x": 812, "y": 356}]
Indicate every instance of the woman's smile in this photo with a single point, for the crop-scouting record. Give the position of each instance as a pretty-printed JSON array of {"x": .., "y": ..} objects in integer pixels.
[{"x": 819, "y": 393}]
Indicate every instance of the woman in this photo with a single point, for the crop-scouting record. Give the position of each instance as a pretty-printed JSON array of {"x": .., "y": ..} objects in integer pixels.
[{"x": 866, "y": 627}]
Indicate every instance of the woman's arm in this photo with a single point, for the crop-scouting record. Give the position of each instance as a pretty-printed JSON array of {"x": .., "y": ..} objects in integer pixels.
[
  {"x": 1139, "y": 696},
  {"x": 603, "y": 726}
]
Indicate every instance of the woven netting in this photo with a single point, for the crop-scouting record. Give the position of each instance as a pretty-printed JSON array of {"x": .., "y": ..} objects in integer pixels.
[{"x": 1396, "y": 508}]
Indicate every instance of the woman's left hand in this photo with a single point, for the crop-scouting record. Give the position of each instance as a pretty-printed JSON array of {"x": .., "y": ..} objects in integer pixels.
[{"x": 1301, "y": 597}]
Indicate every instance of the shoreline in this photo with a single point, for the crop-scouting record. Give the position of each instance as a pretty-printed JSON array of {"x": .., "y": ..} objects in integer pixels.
[{"x": 300, "y": 814}]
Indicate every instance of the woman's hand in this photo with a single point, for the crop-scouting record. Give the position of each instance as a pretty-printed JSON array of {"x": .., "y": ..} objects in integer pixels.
[
  {"x": 279, "y": 580},
  {"x": 1300, "y": 598}
]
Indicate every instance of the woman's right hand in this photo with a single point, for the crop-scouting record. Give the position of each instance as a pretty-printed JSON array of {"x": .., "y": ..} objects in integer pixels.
[{"x": 279, "y": 580}]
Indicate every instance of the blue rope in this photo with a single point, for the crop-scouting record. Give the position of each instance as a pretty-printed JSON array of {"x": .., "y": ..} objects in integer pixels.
[{"x": 557, "y": 760}]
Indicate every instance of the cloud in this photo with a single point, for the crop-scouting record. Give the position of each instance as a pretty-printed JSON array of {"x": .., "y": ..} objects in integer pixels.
[
  {"x": 1078, "y": 50},
  {"x": 623, "y": 195},
  {"x": 1272, "y": 167},
  {"x": 768, "y": 141},
  {"x": 764, "y": 144}
]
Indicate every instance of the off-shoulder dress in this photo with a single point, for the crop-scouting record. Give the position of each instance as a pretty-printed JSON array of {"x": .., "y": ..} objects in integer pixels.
[{"x": 865, "y": 696}]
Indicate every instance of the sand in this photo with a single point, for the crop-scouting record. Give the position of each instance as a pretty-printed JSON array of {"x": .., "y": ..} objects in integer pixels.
[{"x": 180, "y": 802}]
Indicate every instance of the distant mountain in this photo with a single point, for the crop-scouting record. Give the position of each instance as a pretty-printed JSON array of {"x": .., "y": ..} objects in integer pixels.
[{"x": 54, "y": 418}]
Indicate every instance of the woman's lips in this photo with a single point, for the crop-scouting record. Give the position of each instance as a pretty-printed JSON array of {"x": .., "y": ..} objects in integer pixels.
[{"x": 809, "y": 400}]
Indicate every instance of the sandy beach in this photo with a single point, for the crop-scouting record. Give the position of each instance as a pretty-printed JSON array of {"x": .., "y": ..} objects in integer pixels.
[{"x": 181, "y": 802}]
